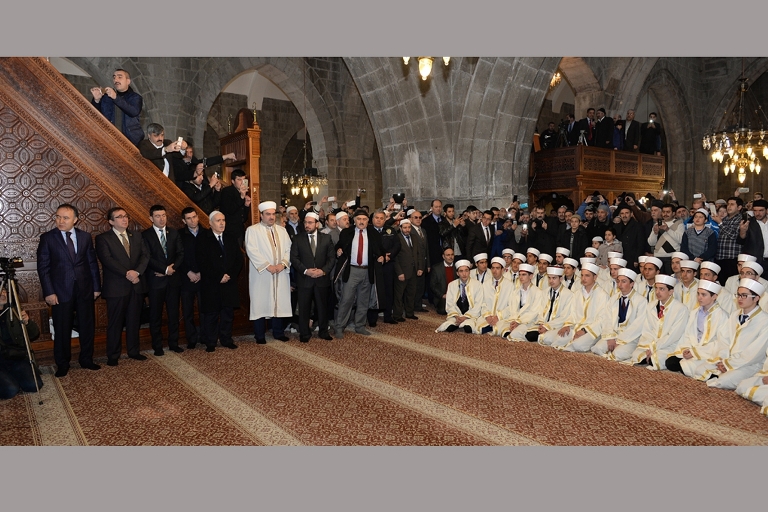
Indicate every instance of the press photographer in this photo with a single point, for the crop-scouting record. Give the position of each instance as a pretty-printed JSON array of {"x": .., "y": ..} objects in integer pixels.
[{"x": 15, "y": 368}]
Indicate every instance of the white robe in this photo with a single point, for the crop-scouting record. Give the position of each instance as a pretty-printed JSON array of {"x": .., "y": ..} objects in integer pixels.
[
  {"x": 661, "y": 336},
  {"x": 688, "y": 295},
  {"x": 270, "y": 293},
  {"x": 586, "y": 313},
  {"x": 525, "y": 316},
  {"x": 474, "y": 291},
  {"x": 561, "y": 313},
  {"x": 752, "y": 388},
  {"x": 704, "y": 348},
  {"x": 483, "y": 277},
  {"x": 626, "y": 333}
]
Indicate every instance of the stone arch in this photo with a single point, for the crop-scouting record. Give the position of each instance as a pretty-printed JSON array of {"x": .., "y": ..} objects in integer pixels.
[
  {"x": 729, "y": 99},
  {"x": 579, "y": 75}
]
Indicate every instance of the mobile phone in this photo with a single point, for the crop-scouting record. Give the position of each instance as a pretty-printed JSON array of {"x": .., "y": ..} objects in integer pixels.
[
  {"x": 697, "y": 196},
  {"x": 398, "y": 206},
  {"x": 744, "y": 217},
  {"x": 665, "y": 192},
  {"x": 659, "y": 222},
  {"x": 524, "y": 205},
  {"x": 181, "y": 139},
  {"x": 525, "y": 226},
  {"x": 313, "y": 203},
  {"x": 350, "y": 204},
  {"x": 713, "y": 209},
  {"x": 514, "y": 198},
  {"x": 743, "y": 190},
  {"x": 332, "y": 198}
]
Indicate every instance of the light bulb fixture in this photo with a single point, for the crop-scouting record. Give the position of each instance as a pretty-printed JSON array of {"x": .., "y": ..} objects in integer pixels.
[
  {"x": 555, "y": 80},
  {"x": 425, "y": 65}
]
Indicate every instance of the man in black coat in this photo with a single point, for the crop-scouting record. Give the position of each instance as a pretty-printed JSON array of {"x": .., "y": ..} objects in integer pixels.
[
  {"x": 630, "y": 234},
  {"x": 121, "y": 105},
  {"x": 631, "y": 132},
  {"x": 385, "y": 288},
  {"x": 166, "y": 254},
  {"x": 189, "y": 273},
  {"x": 312, "y": 259},
  {"x": 204, "y": 192},
  {"x": 603, "y": 130},
  {"x": 588, "y": 125},
  {"x": 124, "y": 257},
  {"x": 751, "y": 236},
  {"x": 572, "y": 131},
  {"x": 480, "y": 236},
  {"x": 165, "y": 154},
  {"x": 437, "y": 228},
  {"x": 409, "y": 264},
  {"x": 235, "y": 205},
  {"x": 220, "y": 260}
]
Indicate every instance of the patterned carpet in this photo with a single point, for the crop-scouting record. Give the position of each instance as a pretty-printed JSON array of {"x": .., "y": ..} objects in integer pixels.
[{"x": 405, "y": 385}]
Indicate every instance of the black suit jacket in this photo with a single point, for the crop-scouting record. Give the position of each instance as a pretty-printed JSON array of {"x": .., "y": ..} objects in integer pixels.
[
  {"x": 632, "y": 136},
  {"x": 58, "y": 272},
  {"x": 572, "y": 136},
  {"x": 374, "y": 251},
  {"x": 205, "y": 197},
  {"x": 434, "y": 232},
  {"x": 234, "y": 209},
  {"x": 190, "y": 264},
  {"x": 476, "y": 240},
  {"x": 159, "y": 262},
  {"x": 176, "y": 164},
  {"x": 584, "y": 125},
  {"x": 753, "y": 244},
  {"x": 302, "y": 259},
  {"x": 409, "y": 259},
  {"x": 604, "y": 133},
  {"x": 115, "y": 263},
  {"x": 214, "y": 263}
]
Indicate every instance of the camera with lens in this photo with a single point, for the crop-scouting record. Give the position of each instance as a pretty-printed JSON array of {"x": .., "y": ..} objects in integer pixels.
[
  {"x": 399, "y": 198},
  {"x": 8, "y": 264},
  {"x": 563, "y": 125}
]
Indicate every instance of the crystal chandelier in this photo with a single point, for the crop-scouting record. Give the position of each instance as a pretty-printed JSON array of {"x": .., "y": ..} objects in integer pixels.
[
  {"x": 305, "y": 184},
  {"x": 555, "y": 80},
  {"x": 425, "y": 65},
  {"x": 738, "y": 147}
]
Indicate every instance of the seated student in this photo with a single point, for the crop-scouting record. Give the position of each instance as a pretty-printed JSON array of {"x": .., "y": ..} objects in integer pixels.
[
  {"x": 532, "y": 256},
  {"x": 606, "y": 279},
  {"x": 497, "y": 292},
  {"x": 525, "y": 306},
  {"x": 560, "y": 254},
  {"x": 591, "y": 252},
  {"x": 585, "y": 326},
  {"x": 686, "y": 289},
  {"x": 748, "y": 270},
  {"x": 554, "y": 314},
  {"x": 15, "y": 370},
  {"x": 545, "y": 260},
  {"x": 675, "y": 260},
  {"x": 650, "y": 270},
  {"x": 480, "y": 272},
  {"x": 755, "y": 388},
  {"x": 699, "y": 341},
  {"x": 513, "y": 262},
  {"x": 571, "y": 274},
  {"x": 463, "y": 301},
  {"x": 624, "y": 323},
  {"x": 732, "y": 283},
  {"x": 741, "y": 341},
  {"x": 663, "y": 325},
  {"x": 709, "y": 271}
]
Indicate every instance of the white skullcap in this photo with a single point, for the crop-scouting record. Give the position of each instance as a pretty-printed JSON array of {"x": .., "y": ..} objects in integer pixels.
[
  {"x": 753, "y": 285},
  {"x": 555, "y": 271},
  {"x": 570, "y": 261},
  {"x": 585, "y": 260},
  {"x": 754, "y": 266},
  {"x": 500, "y": 261},
  {"x": 746, "y": 257},
  {"x": 631, "y": 274},
  {"x": 656, "y": 261},
  {"x": 412, "y": 211},
  {"x": 481, "y": 256},
  {"x": 679, "y": 255},
  {"x": 546, "y": 257},
  {"x": 714, "y": 267},
  {"x": 614, "y": 254},
  {"x": 689, "y": 264},
  {"x": 463, "y": 263},
  {"x": 519, "y": 256},
  {"x": 563, "y": 251},
  {"x": 642, "y": 259},
  {"x": 290, "y": 208},
  {"x": 711, "y": 286},
  {"x": 404, "y": 221},
  {"x": 591, "y": 267},
  {"x": 525, "y": 267},
  {"x": 618, "y": 261},
  {"x": 597, "y": 239},
  {"x": 533, "y": 250},
  {"x": 665, "y": 279},
  {"x": 509, "y": 251},
  {"x": 591, "y": 250},
  {"x": 342, "y": 214},
  {"x": 312, "y": 215},
  {"x": 270, "y": 205},
  {"x": 701, "y": 210}
]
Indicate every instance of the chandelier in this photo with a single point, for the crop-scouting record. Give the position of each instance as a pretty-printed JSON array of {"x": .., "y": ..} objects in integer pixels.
[
  {"x": 305, "y": 184},
  {"x": 425, "y": 65},
  {"x": 738, "y": 146},
  {"x": 555, "y": 80}
]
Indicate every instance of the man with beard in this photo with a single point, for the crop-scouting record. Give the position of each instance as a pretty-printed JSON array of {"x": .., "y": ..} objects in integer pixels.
[{"x": 121, "y": 105}]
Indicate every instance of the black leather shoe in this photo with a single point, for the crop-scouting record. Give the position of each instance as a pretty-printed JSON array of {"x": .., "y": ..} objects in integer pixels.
[
  {"x": 229, "y": 345},
  {"x": 90, "y": 366},
  {"x": 399, "y": 319},
  {"x": 62, "y": 372},
  {"x": 176, "y": 349},
  {"x": 138, "y": 357},
  {"x": 210, "y": 348},
  {"x": 261, "y": 341},
  {"x": 111, "y": 362},
  {"x": 304, "y": 340},
  {"x": 282, "y": 338},
  {"x": 452, "y": 328},
  {"x": 159, "y": 352},
  {"x": 191, "y": 346},
  {"x": 390, "y": 321},
  {"x": 412, "y": 317},
  {"x": 467, "y": 329}
]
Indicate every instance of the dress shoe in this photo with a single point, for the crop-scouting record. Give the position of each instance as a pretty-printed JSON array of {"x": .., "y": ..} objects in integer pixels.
[
  {"x": 442, "y": 313},
  {"x": 390, "y": 321},
  {"x": 229, "y": 345},
  {"x": 304, "y": 340},
  {"x": 90, "y": 366},
  {"x": 339, "y": 334},
  {"x": 467, "y": 329},
  {"x": 373, "y": 324},
  {"x": 191, "y": 346},
  {"x": 363, "y": 331},
  {"x": 261, "y": 341},
  {"x": 138, "y": 357},
  {"x": 326, "y": 336},
  {"x": 452, "y": 328},
  {"x": 159, "y": 352},
  {"x": 111, "y": 362},
  {"x": 412, "y": 317},
  {"x": 62, "y": 372},
  {"x": 282, "y": 338},
  {"x": 399, "y": 319},
  {"x": 176, "y": 349},
  {"x": 210, "y": 348}
]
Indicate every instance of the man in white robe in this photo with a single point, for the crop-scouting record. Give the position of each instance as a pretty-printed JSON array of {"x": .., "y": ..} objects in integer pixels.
[
  {"x": 480, "y": 272},
  {"x": 560, "y": 254},
  {"x": 624, "y": 320},
  {"x": 463, "y": 302},
  {"x": 268, "y": 247},
  {"x": 497, "y": 292},
  {"x": 513, "y": 260},
  {"x": 687, "y": 287},
  {"x": 554, "y": 314},
  {"x": 544, "y": 261},
  {"x": 525, "y": 306},
  {"x": 755, "y": 388},
  {"x": 571, "y": 274}
]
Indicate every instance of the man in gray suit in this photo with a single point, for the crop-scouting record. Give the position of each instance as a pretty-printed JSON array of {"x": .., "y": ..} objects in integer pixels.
[
  {"x": 409, "y": 264},
  {"x": 312, "y": 259},
  {"x": 420, "y": 236}
]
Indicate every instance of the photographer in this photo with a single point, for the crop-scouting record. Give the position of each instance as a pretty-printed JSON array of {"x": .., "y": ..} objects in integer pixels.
[
  {"x": 549, "y": 137},
  {"x": 15, "y": 370}
]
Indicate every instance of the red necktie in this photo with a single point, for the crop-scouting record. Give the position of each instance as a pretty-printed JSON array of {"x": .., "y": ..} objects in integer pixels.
[
  {"x": 590, "y": 131},
  {"x": 661, "y": 311},
  {"x": 360, "y": 243}
]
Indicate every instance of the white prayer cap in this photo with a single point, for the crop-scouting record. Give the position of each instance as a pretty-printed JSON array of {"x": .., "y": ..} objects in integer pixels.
[
  {"x": 290, "y": 208},
  {"x": 563, "y": 251},
  {"x": 689, "y": 264},
  {"x": 481, "y": 256},
  {"x": 614, "y": 254},
  {"x": 546, "y": 257},
  {"x": 519, "y": 256},
  {"x": 343, "y": 214},
  {"x": 404, "y": 221},
  {"x": 270, "y": 205},
  {"x": 463, "y": 263},
  {"x": 679, "y": 255},
  {"x": 753, "y": 285},
  {"x": 591, "y": 250},
  {"x": 665, "y": 279},
  {"x": 312, "y": 215},
  {"x": 656, "y": 261},
  {"x": 570, "y": 261},
  {"x": 754, "y": 266},
  {"x": 591, "y": 267},
  {"x": 642, "y": 259},
  {"x": 618, "y": 261},
  {"x": 711, "y": 286},
  {"x": 412, "y": 211},
  {"x": 631, "y": 274},
  {"x": 525, "y": 267},
  {"x": 714, "y": 267},
  {"x": 533, "y": 250},
  {"x": 585, "y": 260},
  {"x": 509, "y": 251},
  {"x": 597, "y": 239},
  {"x": 746, "y": 257},
  {"x": 555, "y": 271},
  {"x": 702, "y": 211},
  {"x": 500, "y": 261}
]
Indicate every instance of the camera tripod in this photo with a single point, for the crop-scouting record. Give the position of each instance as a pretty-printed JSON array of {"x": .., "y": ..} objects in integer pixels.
[
  {"x": 14, "y": 309},
  {"x": 582, "y": 138}
]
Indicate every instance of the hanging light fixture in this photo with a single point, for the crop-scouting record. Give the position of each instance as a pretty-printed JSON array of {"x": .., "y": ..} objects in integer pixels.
[
  {"x": 555, "y": 80},
  {"x": 425, "y": 65}
]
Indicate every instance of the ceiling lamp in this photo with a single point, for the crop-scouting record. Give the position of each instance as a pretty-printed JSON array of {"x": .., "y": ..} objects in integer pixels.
[
  {"x": 555, "y": 80},
  {"x": 425, "y": 65}
]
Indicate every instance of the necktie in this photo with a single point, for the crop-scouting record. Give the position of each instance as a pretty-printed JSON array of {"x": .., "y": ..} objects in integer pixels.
[
  {"x": 312, "y": 243},
  {"x": 71, "y": 246},
  {"x": 360, "y": 243},
  {"x": 164, "y": 243},
  {"x": 622, "y": 310},
  {"x": 463, "y": 291},
  {"x": 742, "y": 319},
  {"x": 487, "y": 234},
  {"x": 661, "y": 311},
  {"x": 590, "y": 131},
  {"x": 408, "y": 240},
  {"x": 221, "y": 242},
  {"x": 126, "y": 244},
  {"x": 552, "y": 297},
  {"x": 648, "y": 293}
]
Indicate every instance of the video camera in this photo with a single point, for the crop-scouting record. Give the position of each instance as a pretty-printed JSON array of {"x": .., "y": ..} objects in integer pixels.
[{"x": 7, "y": 265}]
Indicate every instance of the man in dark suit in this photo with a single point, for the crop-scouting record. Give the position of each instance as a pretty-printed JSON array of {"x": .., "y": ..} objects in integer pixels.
[
  {"x": 121, "y": 105},
  {"x": 421, "y": 238},
  {"x": 480, "y": 236},
  {"x": 166, "y": 254},
  {"x": 572, "y": 131},
  {"x": 312, "y": 258},
  {"x": 69, "y": 276},
  {"x": 409, "y": 264},
  {"x": 166, "y": 155},
  {"x": 631, "y": 132},
  {"x": 439, "y": 278},
  {"x": 588, "y": 125},
  {"x": 190, "y": 274},
  {"x": 361, "y": 247},
  {"x": 434, "y": 224},
  {"x": 386, "y": 286},
  {"x": 204, "y": 192},
  {"x": 603, "y": 130},
  {"x": 124, "y": 258},
  {"x": 750, "y": 235},
  {"x": 235, "y": 205},
  {"x": 220, "y": 260}
]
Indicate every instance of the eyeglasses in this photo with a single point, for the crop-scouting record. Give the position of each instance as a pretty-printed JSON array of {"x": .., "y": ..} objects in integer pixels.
[
  {"x": 743, "y": 295},
  {"x": 747, "y": 274},
  {"x": 121, "y": 217},
  {"x": 415, "y": 217}
]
